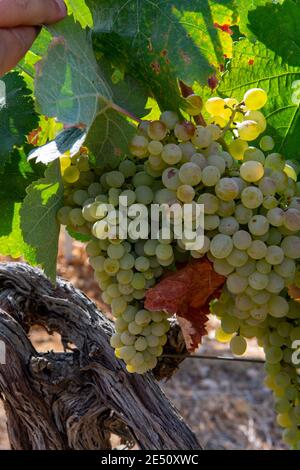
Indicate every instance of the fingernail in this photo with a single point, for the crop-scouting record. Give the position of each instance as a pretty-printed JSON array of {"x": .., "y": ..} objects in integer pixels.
[{"x": 62, "y": 7}]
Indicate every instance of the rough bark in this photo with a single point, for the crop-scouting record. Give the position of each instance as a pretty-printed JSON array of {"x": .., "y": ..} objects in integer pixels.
[{"x": 75, "y": 399}]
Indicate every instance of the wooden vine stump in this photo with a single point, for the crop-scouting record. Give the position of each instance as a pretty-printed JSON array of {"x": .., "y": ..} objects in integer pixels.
[{"x": 76, "y": 399}]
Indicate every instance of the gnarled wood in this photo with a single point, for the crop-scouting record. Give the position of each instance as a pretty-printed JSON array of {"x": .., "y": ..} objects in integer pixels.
[{"x": 75, "y": 399}]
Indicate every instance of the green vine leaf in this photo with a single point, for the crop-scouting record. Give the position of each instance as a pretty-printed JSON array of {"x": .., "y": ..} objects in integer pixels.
[
  {"x": 38, "y": 218},
  {"x": 285, "y": 18},
  {"x": 17, "y": 174},
  {"x": 108, "y": 138},
  {"x": 80, "y": 11},
  {"x": 254, "y": 65},
  {"x": 17, "y": 114}
]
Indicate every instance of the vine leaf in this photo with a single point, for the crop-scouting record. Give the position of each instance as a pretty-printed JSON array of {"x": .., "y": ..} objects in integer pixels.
[
  {"x": 17, "y": 174},
  {"x": 108, "y": 138},
  {"x": 165, "y": 40},
  {"x": 17, "y": 114},
  {"x": 80, "y": 12},
  {"x": 38, "y": 218},
  {"x": 69, "y": 83},
  {"x": 254, "y": 65},
  {"x": 285, "y": 18},
  {"x": 187, "y": 293}
]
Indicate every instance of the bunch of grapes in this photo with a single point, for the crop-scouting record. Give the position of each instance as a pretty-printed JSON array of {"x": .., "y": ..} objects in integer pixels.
[{"x": 251, "y": 206}]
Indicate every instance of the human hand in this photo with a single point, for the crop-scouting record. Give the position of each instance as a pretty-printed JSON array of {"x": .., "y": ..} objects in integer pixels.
[{"x": 20, "y": 22}]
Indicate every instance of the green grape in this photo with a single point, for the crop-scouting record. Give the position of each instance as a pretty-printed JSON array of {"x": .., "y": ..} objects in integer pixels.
[
  {"x": 254, "y": 154},
  {"x": 93, "y": 248},
  {"x": 210, "y": 202},
  {"x": 211, "y": 222},
  {"x": 184, "y": 131},
  {"x": 94, "y": 189},
  {"x": 139, "y": 146},
  {"x": 258, "y": 281},
  {"x": 210, "y": 175},
  {"x": 291, "y": 220},
  {"x": 274, "y": 354},
  {"x": 237, "y": 148},
  {"x": 157, "y": 130},
  {"x": 71, "y": 175},
  {"x": 170, "y": 119},
  {"x": 125, "y": 276},
  {"x": 171, "y": 154},
  {"x": 252, "y": 171},
  {"x": 217, "y": 161},
  {"x": 291, "y": 247},
  {"x": 115, "y": 251},
  {"x": 155, "y": 147},
  {"x": 111, "y": 266},
  {"x": 115, "y": 341},
  {"x": 144, "y": 195},
  {"x": 215, "y": 106},
  {"x": 202, "y": 137},
  {"x": 185, "y": 193},
  {"x": 236, "y": 284},
  {"x": 275, "y": 161},
  {"x": 221, "y": 246},
  {"x": 251, "y": 197},
  {"x": 142, "y": 179},
  {"x": 229, "y": 324},
  {"x": 259, "y": 118},
  {"x": 228, "y": 226},
  {"x": 255, "y": 98},
  {"x": 143, "y": 317},
  {"x": 226, "y": 189},
  {"x": 141, "y": 344},
  {"x": 266, "y": 143},
  {"x": 190, "y": 173},
  {"x": 163, "y": 252},
  {"x": 134, "y": 328},
  {"x": 80, "y": 196},
  {"x": 226, "y": 208},
  {"x": 127, "y": 353},
  {"x": 142, "y": 264},
  {"x": 127, "y": 261},
  {"x": 97, "y": 263},
  {"x": 238, "y": 345},
  {"x": 241, "y": 240},
  {"x": 278, "y": 306},
  {"x": 138, "y": 281},
  {"x": 242, "y": 214},
  {"x": 76, "y": 218},
  {"x": 258, "y": 225},
  {"x": 237, "y": 258}
]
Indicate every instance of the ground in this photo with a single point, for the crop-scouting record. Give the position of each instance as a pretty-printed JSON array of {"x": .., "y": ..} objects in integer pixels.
[{"x": 224, "y": 402}]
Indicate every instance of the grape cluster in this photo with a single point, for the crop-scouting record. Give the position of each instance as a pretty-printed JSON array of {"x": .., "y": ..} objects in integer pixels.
[{"x": 251, "y": 205}]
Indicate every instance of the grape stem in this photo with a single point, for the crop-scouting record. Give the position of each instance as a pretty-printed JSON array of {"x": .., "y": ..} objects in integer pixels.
[
  {"x": 124, "y": 112},
  {"x": 235, "y": 110}
]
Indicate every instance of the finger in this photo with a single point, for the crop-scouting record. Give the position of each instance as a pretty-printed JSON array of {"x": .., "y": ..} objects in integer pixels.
[
  {"x": 30, "y": 12},
  {"x": 17, "y": 41}
]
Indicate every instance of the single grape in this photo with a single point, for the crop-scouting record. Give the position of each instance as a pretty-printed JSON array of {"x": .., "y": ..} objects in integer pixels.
[
  {"x": 227, "y": 189},
  {"x": 258, "y": 225},
  {"x": 255, "y": 98},
  {"x": 139, "y": 146},
  {"x": 171, "y": 154},
  {"x": 185, "y": 193},
  {"x": 252, "y": 197},
  {"x": 157, "y": 130},
  {"x": 190, "y": 173},
  {"x": 237, "y": 148},
  {"x": 210, "y": 175},
  {"x": 221, "y": 246},
  {"x": 215, "y": 106},
  {"x": 252, "y": 171},
  {"x": 248, "y": 130},
  {"x": 266, "y": 143},
  {"x": 238, "y": 345}
]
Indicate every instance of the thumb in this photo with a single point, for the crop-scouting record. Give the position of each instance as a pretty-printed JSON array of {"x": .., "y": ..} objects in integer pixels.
[{"x": 17, "y": 41}]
